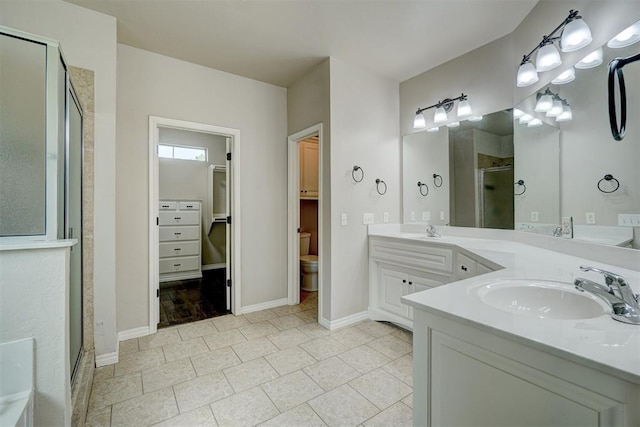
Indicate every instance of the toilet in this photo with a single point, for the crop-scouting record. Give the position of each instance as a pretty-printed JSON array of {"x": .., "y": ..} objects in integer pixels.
[{"x": 308, "y": 264}]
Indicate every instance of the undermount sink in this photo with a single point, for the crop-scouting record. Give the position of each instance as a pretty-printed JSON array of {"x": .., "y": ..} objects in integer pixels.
[{"x": 539, "y": 298}]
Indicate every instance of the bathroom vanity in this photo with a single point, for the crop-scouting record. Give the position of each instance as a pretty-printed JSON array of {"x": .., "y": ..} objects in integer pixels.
[{"x": 488, "y": 349}]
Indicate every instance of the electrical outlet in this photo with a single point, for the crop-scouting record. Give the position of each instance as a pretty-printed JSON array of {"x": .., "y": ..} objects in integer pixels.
[
  {"x": 566, "y": 224},
  {"x": 590, "y": 217},
  {"x": 385, "y": 217},
  {"x": 367, "y": 218},
  {"x": 629, "y": 220},
  {"x": 343, "y": 219},
  {"x": 426, "y": 216},
  {"x": 534, "y": 216},
  {"x": 441, "y": 215},
  {"x": 413, "y": 216}
]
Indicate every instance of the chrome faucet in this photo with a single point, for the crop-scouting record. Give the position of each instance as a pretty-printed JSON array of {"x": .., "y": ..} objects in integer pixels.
[
  {"x": 617, "y": 292},
  {"x": 432, "y": 232},
  {"x": 557, "y": 232}
]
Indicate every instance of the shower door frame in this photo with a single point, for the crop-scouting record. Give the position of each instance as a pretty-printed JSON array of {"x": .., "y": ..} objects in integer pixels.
[{"x": 480, "y": 190}]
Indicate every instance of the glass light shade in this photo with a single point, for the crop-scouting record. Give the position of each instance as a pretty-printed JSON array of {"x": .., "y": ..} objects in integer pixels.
[
  {"x": 556, "y": 110},
  {"x": 548, "y": 58},
  {"x": 434, "y": 129},
  {"x": 419, "y": 122},
  {"x": 453, "y": 124},
  {"x": 517, "y": 113},
  {"x": 544, "y": 104},
  {"x": 464, "y": 109},
  {"x": 475, "y": 118},
  {"x": 534, "y": 123},
  {"x": 566, "y": 114},
  {"x": 626, "y": 38},
  {"x": 527, "y": 75},
  {"x": 592, "y": 60},
  {"x": 576, "y": 35},
  {"x": 566, "y": 77},
  {"x": 440, "y": 116},
  {"x": 526, "y": 118}
]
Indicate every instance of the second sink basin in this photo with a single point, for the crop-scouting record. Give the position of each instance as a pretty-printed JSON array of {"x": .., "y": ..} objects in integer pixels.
[{"x": 555, "y": 300}]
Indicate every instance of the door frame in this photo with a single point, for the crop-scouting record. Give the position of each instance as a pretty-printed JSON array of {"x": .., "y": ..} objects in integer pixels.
[
  {"x": 155, "y": 123},
  {"x": 294, "y": 214}
]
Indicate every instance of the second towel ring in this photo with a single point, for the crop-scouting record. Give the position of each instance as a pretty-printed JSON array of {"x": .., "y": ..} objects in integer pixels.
[
  {"x": 520, "y": 182},
  {"x": 609, "y": 177},
  {"x": 422, "y": 185},
  {"x": 378, "y": 182},
  {"x": 355, "y": 169},
  {"x": 435, "y": 180}
]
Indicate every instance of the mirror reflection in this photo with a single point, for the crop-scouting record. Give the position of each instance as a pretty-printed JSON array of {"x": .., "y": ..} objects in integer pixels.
[{"x": 560, "y": 168}]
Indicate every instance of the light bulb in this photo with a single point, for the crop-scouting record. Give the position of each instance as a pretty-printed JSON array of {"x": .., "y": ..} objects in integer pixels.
[
  {"x": 453, "y": 124},
  {"x": 566, "y": 77},
  {"x": 527, "y": 75},
  {"x": 544, "y": 104},
  {"x": 534, "y": 123},
  {"x": 464, "y": 109},
  {"x": 440, "y": 116},
  {"x": 434, "y": 129},
  {"x": 556, "y": 110},
  {"x": 526, "y": 118},
  {"x": 566, "y": 114},
  {"x": 548, "y": 58},
  {"x": 576, "y": 35},
  {"x": 592, "y": 60},
  {"x": 475, "y": 118},
  {"x": 517, "y": 113},
  {"x": 419, "y": 122},
  {"x": 627, "y": 37}
]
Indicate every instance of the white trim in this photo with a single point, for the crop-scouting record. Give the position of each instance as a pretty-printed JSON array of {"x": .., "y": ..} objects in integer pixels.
[
  {"x": 345, "y": 321},
  {"x": 142, "y": 331},
  {"x": 108, "y": 358},
  {"x": 154, "y": 136},
  {"x": 293, "y": 264},
  {"x": 264, "y": 305}
]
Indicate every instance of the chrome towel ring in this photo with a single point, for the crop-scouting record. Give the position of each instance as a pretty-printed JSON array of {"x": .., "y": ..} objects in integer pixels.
[
  {"x": 355, "y": 169},
  {"x": 520, "y": 182},
  {"x": 437, "y": 178},
  {"x": 422, "y": 185},
  {"x": 378, "y": 182},
  {"x": 615, "y": 69},
  {"x": 608, "y": 178}
]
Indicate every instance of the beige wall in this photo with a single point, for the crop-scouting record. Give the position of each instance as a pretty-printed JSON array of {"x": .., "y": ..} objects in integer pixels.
[
  {"x": 152, "y": 84},
  {"x": 88, "y": 41}
]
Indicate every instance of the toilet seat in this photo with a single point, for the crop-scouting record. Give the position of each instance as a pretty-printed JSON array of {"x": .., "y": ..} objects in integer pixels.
[{"x": 309, "y": 258}]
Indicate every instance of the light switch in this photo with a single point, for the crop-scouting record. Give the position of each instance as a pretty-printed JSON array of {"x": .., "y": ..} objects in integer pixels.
[
  {"x": 591, "y": 217},
  {"x": 385, "y": 217},
  {"x": 367, "y": 218},
  {"x": 441, "y": 215},
  {"x": 534, "y": 216},
  {"x": 413, "y": 216},
  {"x": 343, "y": 219},
  {"x": 426, "y": 216}
]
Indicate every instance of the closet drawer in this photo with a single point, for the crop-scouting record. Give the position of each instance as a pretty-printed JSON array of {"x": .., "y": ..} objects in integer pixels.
[
  {"x": 179, "y": 249},
  {"x": 168, "y": 234},
  {"x": 180, "y": 218},
  {"x": 189, "y": 206},
  {"x": 172, "y": 265},
  {"x": 165, "y": 205}
]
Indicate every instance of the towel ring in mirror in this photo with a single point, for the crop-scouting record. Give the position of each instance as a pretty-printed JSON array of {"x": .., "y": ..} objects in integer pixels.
[
  {"x": 422, "y": 185},
  {"x": 378, "y": 182},
  {"x": 355, "y": 169},
  {"x": 609, "y": 178},
  {"x": 437, "y": 180},
  {"x": 520, "y": 182}
]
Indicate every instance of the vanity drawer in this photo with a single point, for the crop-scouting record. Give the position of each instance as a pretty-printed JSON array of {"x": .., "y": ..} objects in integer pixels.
[
  {"x": 180, "y": 217},
  {"x": 172, "y": 265},
  {"x": 168, "y": 233},
  {"x": 189, "y": 206},
  {"x": 420, "y": 257},
  {"x": 173, "y": 249},
  {"x": 168, "y": 206}
]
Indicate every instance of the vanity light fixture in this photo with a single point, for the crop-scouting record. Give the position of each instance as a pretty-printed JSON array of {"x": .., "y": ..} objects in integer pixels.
[
  {"x": 592, "y": 60},
  {"x": 453, "y": 124},
  {"x": 517, "y": 113},
  {"x": 566, "y": 114},
  {"x": 575, "y": 34},
  {"x": 442, "y": 108},
  {"x": 565, "y": 77},
  {"x": 525, "y": 118},
  {"x": 433, "y": 129},
  {"x": 545, "y": 101},
  {"x": 556, "y": 110},
  {"x": 534, "y": 123},
  {"x": 626, "y": 38},
  {"x": 475, "y": 118}
]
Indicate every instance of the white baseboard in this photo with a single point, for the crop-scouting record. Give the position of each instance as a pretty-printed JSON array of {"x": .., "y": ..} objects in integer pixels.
[
  {"x": 345, "y": 321},
  {"x": 213, "y": 266},
  {"x": 107, "y": 359},
  {"x": 264, "y": 305},
  {"x": 142, "y": 331}
]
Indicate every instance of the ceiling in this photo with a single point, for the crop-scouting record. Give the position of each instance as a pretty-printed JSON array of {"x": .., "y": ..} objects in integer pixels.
[{"x": 278, "y": 41}]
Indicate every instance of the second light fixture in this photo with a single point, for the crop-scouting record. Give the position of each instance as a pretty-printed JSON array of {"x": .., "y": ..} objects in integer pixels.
[{"x": 442, "y": 108}]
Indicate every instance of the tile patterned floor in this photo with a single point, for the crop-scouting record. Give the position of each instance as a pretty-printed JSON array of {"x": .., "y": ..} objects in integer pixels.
[{"x": 275, "y": 367}]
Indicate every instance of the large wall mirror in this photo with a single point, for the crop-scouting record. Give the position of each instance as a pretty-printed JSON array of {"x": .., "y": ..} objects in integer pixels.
[{"x": 527, "y": 169}]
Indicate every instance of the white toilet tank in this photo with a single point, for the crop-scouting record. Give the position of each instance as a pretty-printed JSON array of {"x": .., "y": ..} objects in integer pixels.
[{"x": 305, "y": 240}]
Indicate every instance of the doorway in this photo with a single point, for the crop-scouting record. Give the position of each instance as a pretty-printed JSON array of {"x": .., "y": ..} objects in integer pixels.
[
  {"x": 194, "y": 266},
  {"x": 305, "y": 215}
]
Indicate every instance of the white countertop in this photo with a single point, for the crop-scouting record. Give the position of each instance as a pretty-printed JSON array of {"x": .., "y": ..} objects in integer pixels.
[{"x": 601, "y": 343}]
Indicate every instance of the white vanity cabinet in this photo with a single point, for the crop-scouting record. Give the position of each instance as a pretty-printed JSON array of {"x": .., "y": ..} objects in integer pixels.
[
  {"x": 179, "y": 234},
  {"x": 501, "y": 381}
]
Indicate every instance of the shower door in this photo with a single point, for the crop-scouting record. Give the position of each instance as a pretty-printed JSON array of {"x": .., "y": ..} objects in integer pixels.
[{"x": 496, "y": 197}]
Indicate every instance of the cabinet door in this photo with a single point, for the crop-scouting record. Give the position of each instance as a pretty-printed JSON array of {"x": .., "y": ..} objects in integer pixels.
[
  {"x": 418, "y": 284},
  {"x": 393, "y": 286},
  {"x": 308, "y": 170}
]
